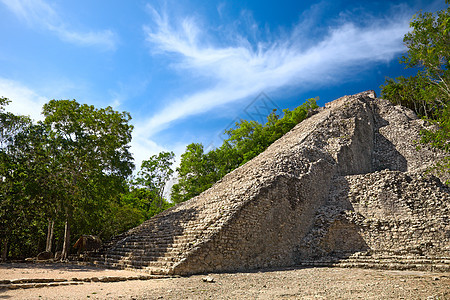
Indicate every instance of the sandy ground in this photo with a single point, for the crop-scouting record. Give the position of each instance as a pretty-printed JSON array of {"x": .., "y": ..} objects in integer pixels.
[{"x": 295, "y": 283}]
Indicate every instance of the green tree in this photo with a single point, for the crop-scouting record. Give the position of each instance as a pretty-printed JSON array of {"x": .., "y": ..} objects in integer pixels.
[
  {"x": 91, "y": 157},
  {"x": 249, "y": 138},
  {"x": 14, "y": 211},
  {"x": 66, "y": 174},
  {"x": 429, "y": 47},
  {"x": 41, "y": 185},
  {"x": 193, "y": 174},
  {"x": 155, "y": 173},
  {"x": 143, "y": 201},
  {"x": 427, "y": 93}
]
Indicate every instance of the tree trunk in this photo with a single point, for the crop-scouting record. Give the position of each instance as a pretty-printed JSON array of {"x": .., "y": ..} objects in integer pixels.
[
  {"x": 4, "y": 249},
  {"x": 161, "y": 198},
  {"x": 66, "y": 245},
  {"x": 51, "y": 225}
]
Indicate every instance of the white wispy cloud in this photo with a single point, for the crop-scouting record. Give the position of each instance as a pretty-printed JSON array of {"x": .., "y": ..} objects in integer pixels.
[
  {"x": 242, "y": 68},
  {"x": 41, "y": 14},
  {"x": 24, "y": 101}
]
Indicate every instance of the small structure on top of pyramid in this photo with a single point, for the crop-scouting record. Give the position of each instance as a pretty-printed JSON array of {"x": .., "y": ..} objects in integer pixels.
[{"x": 345, "y": 187}]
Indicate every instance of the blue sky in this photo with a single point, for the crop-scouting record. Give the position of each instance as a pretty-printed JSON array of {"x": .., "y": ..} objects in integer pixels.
[{"x": 187, "y": 69}]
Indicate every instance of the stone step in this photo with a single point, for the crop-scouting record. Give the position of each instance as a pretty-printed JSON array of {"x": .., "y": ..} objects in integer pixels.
[
  {"x": 143, "y": 264},
  {"x": 141, "y": 248},
  {"x": 154, "y": 238},
  {"x": 156, "y": 250},
  {"x": 435, "y": 265},
  {"x": 406, "y": 261},
  {"x": 139, "y": 261},
  {"x": 149, "y": 252},
  {"x": 143, "y": 257},
  {"x": 152, "y": 269}
]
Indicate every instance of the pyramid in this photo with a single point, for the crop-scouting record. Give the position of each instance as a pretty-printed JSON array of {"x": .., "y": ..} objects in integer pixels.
[{"x": 346, "y": 187}]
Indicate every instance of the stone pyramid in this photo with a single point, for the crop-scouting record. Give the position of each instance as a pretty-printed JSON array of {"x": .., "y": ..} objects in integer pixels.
[{"x": 345, "y": 187}]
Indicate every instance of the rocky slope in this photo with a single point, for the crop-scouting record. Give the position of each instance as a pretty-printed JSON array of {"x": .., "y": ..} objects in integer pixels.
[{"x": 345, "y": 186}]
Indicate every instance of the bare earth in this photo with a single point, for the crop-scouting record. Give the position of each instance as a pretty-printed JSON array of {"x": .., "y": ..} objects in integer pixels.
[{"x": 295, "y": 283}]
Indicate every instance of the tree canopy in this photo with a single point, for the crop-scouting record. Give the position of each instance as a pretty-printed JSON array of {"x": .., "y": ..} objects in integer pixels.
[
  {"x": 68, "y": 174},
  {"x": 428, "y": 92},
  {"x": 71, "y": 173}
]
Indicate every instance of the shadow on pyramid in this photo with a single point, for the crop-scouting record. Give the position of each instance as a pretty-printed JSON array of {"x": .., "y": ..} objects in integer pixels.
[{"x": 345, "y": 187}]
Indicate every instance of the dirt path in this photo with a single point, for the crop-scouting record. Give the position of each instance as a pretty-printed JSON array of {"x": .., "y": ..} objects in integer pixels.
[{"x": 306, "y": 283}]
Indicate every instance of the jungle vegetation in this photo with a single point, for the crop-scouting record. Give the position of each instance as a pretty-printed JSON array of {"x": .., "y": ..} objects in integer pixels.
[
  {"x": 72, "y": 173},
  {"x": 428, "y": 92}
]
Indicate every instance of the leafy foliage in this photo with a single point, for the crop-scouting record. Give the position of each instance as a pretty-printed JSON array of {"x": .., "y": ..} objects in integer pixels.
[
  {"x": 69, "y": 171},
  {"x": 155, "y": 173},
  {"x": 145, "y": 202},
  {"x": 14, "y": 209},
  {"x": 428, "y": 47},
  {"x": 70, "y": 174},
  {"x": 427, "y": 93},
  {"x": 90, "y": 157},
  {"x": 196, "y": 173}
]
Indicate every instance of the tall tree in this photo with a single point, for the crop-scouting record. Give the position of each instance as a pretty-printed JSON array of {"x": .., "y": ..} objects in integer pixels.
[
  {"x": 13, "y": 175},
  {"x": 155, "y": 173},
  {"x": 90, "y": 154},
  {"x": 429, "y": 47},
  {"x": 428, "y": 92},
  {"x": 192, "y": 174},
  {"x": 43, "y": 185}
]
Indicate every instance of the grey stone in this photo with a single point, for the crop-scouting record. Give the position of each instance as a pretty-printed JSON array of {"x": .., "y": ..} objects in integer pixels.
[
  {"x": 345, "y": 187},
  {"x": 208, "y": 279}
]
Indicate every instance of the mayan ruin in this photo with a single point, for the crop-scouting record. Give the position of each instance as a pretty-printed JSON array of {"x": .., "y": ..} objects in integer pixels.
[{"x": 346, "y": 187}]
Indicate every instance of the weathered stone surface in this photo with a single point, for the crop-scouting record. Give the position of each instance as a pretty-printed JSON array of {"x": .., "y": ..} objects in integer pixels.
[
  {"x": 27, "y": 283},
  {"x": 346, "y": 183}
]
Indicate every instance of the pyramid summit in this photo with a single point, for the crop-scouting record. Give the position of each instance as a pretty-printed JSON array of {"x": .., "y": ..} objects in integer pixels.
[{"x": 345, "y": 187}]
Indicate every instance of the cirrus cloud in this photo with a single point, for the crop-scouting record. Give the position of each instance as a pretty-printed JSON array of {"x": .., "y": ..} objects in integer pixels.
[{"x": 240, "y": 68}]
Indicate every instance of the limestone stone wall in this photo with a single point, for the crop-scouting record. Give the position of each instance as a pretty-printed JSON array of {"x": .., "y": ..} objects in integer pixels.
[
  {"x": 348, "y": 180},
  {"x": 388, "y": 212}
]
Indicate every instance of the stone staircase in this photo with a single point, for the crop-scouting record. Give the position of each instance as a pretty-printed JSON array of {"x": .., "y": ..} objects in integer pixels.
[
  {"x": 158, "y": 245},
  {"x": 348, "y": 178},
  {"x": 155, "y": 252},
  {"x": 384, "y": 262}
]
